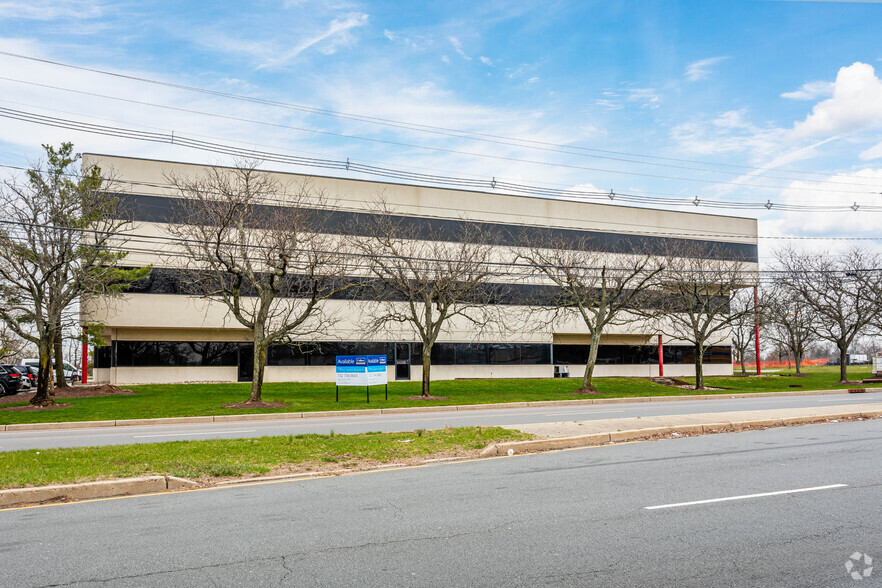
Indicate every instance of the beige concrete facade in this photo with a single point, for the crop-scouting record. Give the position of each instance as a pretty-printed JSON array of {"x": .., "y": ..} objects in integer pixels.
[{"x": 158, "y": 317}]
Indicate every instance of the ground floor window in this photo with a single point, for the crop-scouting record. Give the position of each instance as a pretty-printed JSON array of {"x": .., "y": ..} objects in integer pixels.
[{"x": 226, "y": 354}]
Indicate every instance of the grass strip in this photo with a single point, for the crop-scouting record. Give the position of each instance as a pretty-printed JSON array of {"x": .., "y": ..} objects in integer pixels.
[
  {"x": 176, "y": 400},
  {"x": 220, "y": 458}
]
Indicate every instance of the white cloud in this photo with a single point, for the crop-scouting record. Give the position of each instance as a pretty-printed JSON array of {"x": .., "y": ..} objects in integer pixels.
[
  {"x": 20, "y": 140},
  {"x": 701, "y": 69},
  {"x": 837, "y": 190},
  {"x": 336, "y": 31},
  {"x": 728, "y": 132},
  {"x": 270, "y": 50},
  {"x": 445, "y": 59},
  {"x": 874, "y": 152},
  {"x": 619, "y": 99},
  {"x": 645, "y": 97},
  {"x": 486, "y": 61},
  {"x": 586, "y": 191},
  {"x": 810, "y": 91},
  {"x": 856, "y": 105},
  {"x": 50, "y": 10},
  {"x": 457, "y": 46}
]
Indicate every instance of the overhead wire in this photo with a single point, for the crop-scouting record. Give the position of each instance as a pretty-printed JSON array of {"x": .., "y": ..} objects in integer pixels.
[
  {"x": 630, "y": 230},
  {"x": 348, "y": 165},
  {"x": 559, "y": 150},
  {"x": 389, "y": 122},
  {"x": 151, "y": 242}
]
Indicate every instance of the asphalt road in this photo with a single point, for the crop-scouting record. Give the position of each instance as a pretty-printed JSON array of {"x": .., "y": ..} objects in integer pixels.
[
  {"x": 576, "y": 517},
  {"x": 14, "y": 440}
]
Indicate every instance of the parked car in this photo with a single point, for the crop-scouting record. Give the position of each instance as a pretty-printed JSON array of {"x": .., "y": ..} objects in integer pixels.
[
  {"x": 70, "y": 372},
  {"x": 29, "y": 376},
  {"x": 10, "y": 380},
  {"x": 25, "y": 381}
]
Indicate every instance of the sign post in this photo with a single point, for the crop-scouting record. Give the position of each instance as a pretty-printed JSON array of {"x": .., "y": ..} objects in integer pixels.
[{"x": 362, "y": 370}]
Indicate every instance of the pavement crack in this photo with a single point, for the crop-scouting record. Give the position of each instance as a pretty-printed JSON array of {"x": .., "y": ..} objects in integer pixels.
[
  {"x": 283, "y": 559},
  {"x": 288, "y": 571}
]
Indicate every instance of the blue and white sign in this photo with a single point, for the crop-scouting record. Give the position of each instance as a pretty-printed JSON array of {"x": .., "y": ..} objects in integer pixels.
[
  {"x": 361, "y": 370},
  {"x": 376, "y": 370}
]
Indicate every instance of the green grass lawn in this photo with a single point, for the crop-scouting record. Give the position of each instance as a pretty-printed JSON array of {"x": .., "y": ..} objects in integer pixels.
[
  {"x": 174, "y": 400},
  {"x": 238, "y": 457}
]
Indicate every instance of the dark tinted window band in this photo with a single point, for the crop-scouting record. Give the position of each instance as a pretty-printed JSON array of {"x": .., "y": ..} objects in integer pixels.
[
  {"x": 223, "y": 354},
  {"x": 180, "y": 282},
  {"x": 159, "y": 209}
]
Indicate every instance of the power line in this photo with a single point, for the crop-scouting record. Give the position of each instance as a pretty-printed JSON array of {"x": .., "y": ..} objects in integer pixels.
[
  {"x": 151, "y": 242},
  {"x": 460, "y": 182},
  {"x": 564, "y": 188},
  {"x": 395, "y": 123},
  {"x": 561, "y": 150}
]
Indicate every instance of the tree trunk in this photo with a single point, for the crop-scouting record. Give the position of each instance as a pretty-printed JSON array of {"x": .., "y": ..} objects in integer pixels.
[
  {"x": 843, "y": 364},
  {"x": 259, "y": 361},
  {"x": 699, "y": 373},
  {"x": 798, "y": 361},
  {"x": 44, "y": 378},
  {"x": 427, "y": 367},
  {"x": 743, "y": 365},
  {"x": 58, "y": 354},
  {"x": 587, "y": 387}
]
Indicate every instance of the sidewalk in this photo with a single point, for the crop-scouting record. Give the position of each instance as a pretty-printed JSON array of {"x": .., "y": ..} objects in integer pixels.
[
  {"x": 561, "y": 435},
  {"x": 271, "y": 416}
]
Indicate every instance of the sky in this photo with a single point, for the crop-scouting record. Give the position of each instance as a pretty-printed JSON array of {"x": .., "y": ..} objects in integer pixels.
[{"x": 704, "y": 106}]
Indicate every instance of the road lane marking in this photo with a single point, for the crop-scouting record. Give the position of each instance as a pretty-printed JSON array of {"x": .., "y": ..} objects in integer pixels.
[
  {"x": 191, "y": 434},
  {"x": 779, "y": 492},
  {"x": 581, "y": 412}
]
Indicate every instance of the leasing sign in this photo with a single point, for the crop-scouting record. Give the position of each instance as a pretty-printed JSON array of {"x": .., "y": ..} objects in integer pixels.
[{"x": 361, "y": 370}]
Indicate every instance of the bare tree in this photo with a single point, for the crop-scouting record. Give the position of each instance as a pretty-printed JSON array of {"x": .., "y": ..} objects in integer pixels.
[
  {"x": 62, "y": 240},
  {"x": 426, "y": 278},
  {"x": 743, "y": 325},
  {"x": 842, "y": 292},
  {"x": 691, "y": 300},
  {"x": 597, "y": 287},
  {"x": 12, "y": 345},
  {"x": 790, "y": 322},
  {"x": 256, "y": 246}
]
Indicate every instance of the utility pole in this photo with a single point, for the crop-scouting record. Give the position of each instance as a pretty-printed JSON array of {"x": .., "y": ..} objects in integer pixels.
[
  {"x": 756, "y": 328},
  {"x": 661, "y": 361}
]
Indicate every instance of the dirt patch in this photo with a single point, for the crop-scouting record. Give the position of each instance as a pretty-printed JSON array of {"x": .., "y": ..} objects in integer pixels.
[
  {"x": 426, "y": 398},
  {"x": 344, "y": 466},
  {"x": 672, "y": 382},
  {"x": 73, "y": 392},
  {"x": 250, "y": 404},
  {"x": 30, "y": 408},
  {"x": 681, "y": 384}
]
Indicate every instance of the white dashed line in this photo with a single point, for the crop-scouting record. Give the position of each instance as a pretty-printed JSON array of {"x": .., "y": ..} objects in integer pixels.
[{"x": 830, "y": 487}]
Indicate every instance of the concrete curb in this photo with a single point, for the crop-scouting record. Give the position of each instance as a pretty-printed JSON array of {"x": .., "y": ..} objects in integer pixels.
[
  {"x": 277, "y": 416},
  {"x": 92, "y": 490},
  {"x": 605, "y": 438},
  {"x": 154, "y": 484}
]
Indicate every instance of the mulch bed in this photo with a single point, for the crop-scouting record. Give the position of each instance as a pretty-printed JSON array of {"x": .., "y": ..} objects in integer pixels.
[
  {"x": 250, "y": 404},
  {"x": 72, "y": 392},
  {"x": 426, "y": 398},
  {"x": 30, "y": 408}
]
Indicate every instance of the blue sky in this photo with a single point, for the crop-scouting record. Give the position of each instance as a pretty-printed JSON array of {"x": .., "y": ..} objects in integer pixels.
[{"x": 790, "y": 90}]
